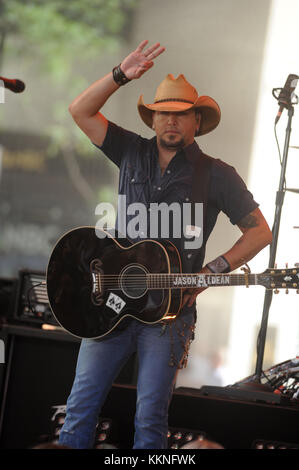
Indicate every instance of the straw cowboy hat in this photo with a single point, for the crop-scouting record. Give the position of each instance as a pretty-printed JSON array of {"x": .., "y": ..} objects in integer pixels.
[{"x": 176, "y": 94}]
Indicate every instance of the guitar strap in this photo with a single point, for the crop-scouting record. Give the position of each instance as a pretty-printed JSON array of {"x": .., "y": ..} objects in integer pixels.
[
  {"x": 202, "y": 164},
  {"x": 201, "y": 176}
]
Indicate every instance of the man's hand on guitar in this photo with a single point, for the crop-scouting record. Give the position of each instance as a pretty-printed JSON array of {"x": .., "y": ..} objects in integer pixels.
[
  {"x": 140, "y": 60},
  {"x": 189, "y": 295}
]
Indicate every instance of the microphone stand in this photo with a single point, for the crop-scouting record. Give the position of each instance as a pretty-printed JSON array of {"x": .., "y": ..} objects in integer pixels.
[
  {"x": 273, "y": 249},
  {"x": 252, "y": 388}
]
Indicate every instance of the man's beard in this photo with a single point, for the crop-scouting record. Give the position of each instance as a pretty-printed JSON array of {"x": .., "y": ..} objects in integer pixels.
[{"x": 171, "y": 143}]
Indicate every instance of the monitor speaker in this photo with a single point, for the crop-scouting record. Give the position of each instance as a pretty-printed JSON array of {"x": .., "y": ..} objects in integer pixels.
[{"x": 37, "y": 374}]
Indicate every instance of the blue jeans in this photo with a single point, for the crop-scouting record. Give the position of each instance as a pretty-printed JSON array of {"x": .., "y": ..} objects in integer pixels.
[{"x": 99, "y": 363}]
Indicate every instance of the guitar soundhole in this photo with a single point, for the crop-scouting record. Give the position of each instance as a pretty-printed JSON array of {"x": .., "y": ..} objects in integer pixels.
[{"x": 133, "y": 281}]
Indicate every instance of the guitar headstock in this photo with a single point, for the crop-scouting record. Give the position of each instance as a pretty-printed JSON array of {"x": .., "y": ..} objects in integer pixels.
[{"x": 285, "y": 278}]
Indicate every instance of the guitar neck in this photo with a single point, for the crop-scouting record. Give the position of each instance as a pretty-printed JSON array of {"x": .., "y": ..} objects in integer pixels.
[{"x": 197, "y": 280}]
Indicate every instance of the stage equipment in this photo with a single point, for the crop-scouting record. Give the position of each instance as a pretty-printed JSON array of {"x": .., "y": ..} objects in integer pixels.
[
  {"x": 103, "y": 435},
  {"x": 264, "y": 444},
  {"x": 37, "y": 375},
  {"x": 282, "y": 379},
  {"x": 178, "y": 437},
  {"x": 32, "y": 304},
  {"x": 286, "y": 100},
  {"x": 109, "y": 433},
  {"x": 254, "y": 388},
  {"x": 197, "y": 416}
]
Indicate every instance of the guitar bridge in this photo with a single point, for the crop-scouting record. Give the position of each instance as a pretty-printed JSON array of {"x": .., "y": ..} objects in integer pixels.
[{"x": 96, "y": 272}]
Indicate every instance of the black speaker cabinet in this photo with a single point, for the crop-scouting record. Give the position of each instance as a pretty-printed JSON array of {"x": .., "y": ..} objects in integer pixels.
[
  {"x": 235, "y": 424},
  {"x": 38, "y": 374}
]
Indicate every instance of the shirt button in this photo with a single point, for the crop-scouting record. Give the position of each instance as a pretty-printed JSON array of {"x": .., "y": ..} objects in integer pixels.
[
  {"x": 187, "y": 199},
  {"x": 159, "y": 188},
  {"x": 168, "y": 171},
  {"x": 132, "y": 180},
  {"x": 189, "y": 255}
]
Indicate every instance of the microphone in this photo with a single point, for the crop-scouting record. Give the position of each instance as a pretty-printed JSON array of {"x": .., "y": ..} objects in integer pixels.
[
  {"x": 15, "y": 85},
  {"x": 285, "y": 95}
]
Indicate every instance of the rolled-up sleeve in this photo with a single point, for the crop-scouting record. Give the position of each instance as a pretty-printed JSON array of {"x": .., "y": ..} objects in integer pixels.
[
  {"x": 117, "y": 142},
  {"x": 233, "y": 197}
]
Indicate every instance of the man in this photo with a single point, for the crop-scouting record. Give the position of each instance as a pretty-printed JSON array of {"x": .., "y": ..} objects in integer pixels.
[{"x": 155, "y": 170}]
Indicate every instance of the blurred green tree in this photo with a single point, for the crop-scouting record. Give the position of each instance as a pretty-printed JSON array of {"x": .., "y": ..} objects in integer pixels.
[{"x": 58, "y": 33}]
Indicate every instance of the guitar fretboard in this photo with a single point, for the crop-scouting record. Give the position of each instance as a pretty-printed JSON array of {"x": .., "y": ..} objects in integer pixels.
[{"x": 175, "y": 281}]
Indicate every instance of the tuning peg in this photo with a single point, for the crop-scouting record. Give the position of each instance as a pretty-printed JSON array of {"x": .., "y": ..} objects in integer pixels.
[
  {"x": 287, "y": 291},
  {"x": 276, "y": 291}
]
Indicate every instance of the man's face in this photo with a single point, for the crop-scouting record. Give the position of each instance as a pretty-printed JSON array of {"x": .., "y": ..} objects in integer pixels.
[{"x": 175, "y": 130}]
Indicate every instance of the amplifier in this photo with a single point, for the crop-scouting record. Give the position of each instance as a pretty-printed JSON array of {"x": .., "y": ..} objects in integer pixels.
[{"x": 32, "y": 304}]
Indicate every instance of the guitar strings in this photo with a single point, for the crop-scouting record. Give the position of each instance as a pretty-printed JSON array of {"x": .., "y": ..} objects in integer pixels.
[{"x": 164, "y": 279}]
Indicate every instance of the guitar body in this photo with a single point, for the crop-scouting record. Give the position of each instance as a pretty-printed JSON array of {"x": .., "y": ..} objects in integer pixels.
[{"x": 94, "y": 282}]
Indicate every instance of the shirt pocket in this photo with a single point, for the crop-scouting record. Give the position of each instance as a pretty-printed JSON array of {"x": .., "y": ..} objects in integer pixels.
[{"x": 137, "y": 184}]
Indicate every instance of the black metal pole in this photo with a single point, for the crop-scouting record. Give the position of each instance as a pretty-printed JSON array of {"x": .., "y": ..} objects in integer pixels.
[{"x": 273, "y": 248}]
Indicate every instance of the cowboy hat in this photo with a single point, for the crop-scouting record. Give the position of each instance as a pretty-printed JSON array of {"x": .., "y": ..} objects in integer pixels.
[{"x": 177, "y": 94}]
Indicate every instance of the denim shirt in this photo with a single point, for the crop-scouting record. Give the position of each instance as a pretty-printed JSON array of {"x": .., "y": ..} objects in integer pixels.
[{"x": 141, "y": 180}]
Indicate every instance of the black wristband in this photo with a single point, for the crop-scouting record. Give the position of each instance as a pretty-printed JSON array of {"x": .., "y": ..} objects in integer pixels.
[
  {"x": 119, "y": 77},
  {"x": 219, "y": 265}
]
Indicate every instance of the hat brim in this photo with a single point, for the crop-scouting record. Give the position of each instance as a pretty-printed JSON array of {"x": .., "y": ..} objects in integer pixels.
[{"x": 208, "y": 108}]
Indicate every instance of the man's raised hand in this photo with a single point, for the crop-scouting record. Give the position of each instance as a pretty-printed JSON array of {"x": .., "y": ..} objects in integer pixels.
[{"x": 140, "y": 60}]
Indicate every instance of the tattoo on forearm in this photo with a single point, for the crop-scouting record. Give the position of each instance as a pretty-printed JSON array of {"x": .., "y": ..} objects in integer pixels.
[{"x": 249, "y": 221}]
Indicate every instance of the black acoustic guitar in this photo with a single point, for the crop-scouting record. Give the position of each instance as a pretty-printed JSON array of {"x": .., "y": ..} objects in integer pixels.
[{"x": 95, "y": 280}]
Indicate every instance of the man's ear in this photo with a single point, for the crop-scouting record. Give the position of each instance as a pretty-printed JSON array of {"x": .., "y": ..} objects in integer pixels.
[
  {"x": 198, "y": 120},
  {"x": 153, "y": 125}
]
